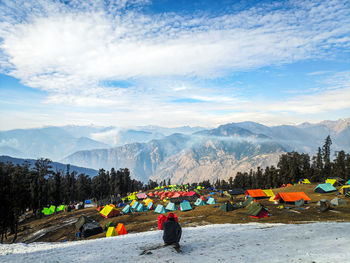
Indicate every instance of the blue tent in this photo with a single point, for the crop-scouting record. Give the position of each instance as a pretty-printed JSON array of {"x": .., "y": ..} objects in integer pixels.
[
  {"x": 199, "y": 202},
  {"x": 211, "y": 201},
  {"x": 88, "y": 201},
  {"x": 121, "y": 204},
  {"x": 160, "y": 209},
  {"x": 185, "y": 206},
  {"x": 134, "y": 206},
  {"x": 141, "y": 208},
  {"x": 171, "y": 207},
  {"x": 150, "y": 206},
  {"x": 127, "y": 209},
  {"x": 348, "y": 182},
  {"x": 324, "y": 188}
]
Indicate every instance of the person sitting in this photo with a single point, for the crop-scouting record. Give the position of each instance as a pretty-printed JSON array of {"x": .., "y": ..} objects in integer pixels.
[{"x": 172, "y": 231}]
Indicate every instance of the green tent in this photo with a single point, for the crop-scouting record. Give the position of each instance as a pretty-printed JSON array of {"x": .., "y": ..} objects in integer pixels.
[
  {"x": 300, "y": 202},
  {"x": 227, "y": 207},
  {"x": 171, "y": 207},
  {"x": 337, "y": 202},
  {"x": 185, "y": 206},
  {"x": 49, "y": 211},
  {"x": 211, "y": 201},
  {"x": 199, "y": 202},
  {"x": 128, "y": 209},
  {"x": 60, "y": 208},
  {"x": 254, "y": 208},
  {"x": 46, "y": 211},
  {"x": 248, "y": 201},
  {"x": 160, "y": 209}
]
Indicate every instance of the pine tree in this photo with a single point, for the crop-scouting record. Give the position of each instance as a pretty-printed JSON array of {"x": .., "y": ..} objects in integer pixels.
[{"x": 326, "y": 156}]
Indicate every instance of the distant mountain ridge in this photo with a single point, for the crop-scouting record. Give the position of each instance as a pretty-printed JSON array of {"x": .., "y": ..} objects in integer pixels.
[
  {"x": 198, "y": 153},
  {"x": 55, "y": 165}
]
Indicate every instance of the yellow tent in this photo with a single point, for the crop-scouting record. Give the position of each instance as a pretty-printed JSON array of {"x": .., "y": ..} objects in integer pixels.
[
  {"x": 268, "y": 192},
  {"x": 305, "y": 181},
  {"x": 108, "y": 211},
  {"x": 111, "y": 232},
  {"x": 341, "y": 190},
  {"x": 331, "y": 181},
  {"x": 272, "y": 198},
  {"x": 147, "y": 201}
]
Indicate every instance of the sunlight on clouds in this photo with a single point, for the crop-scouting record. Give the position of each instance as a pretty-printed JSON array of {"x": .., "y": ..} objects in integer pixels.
[{"x": 69, "y": 50}]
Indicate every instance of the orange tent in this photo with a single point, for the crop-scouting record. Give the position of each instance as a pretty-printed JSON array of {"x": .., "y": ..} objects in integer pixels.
[
  {"x": 255, "y": 193},
  {"x": 121, "y": 229},
  {"x": 292, "y": 196},
  {"x": 289, "y": 185}
]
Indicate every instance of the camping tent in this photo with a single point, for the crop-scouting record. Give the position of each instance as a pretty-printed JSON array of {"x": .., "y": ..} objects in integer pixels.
[
  {"x": 135, "y": 204},
  {"x": 111, "y": 232},
  {"x": 199, "y": 202},
  {"x": 60, "y": 208},
  {"x": 299, "y": 202},
  {"x": 88, "y": 201},
  {"x": 236, "y": 191},
  {"x": 211, "y": 201},
  {"x": 256, "y": 210},
  {"x": 331, "y": 181},
  {"x": 305, "y": 181},
  {"x": 132, "y": 202},
  {"x": 109, "y": 211},
  {"x": 128, "y": 209},
  {"x": 227, "y": 207},
  {"x": 291, "y": 197},
  {"x": 324, "y": 188},
  {"x": 90, "y": 229},
  {"x": 150, "y": 206},
  {"x": 185, "y": 206},
  {"x": 337, "y": 202},
  {"x": 268, "y": 192},
  {"x": 141, "y": 196},
  {"x": 81, "y": 221},
  {"x": 255, "y": 193},
  {"x": 160, "y": 209},
  {"x": 272, "y": 198},
  {"x": 141, "y": 208},
  {"x": 171, "y": 207},
  {"x": 344, "y": 189},
  {"x": 248, "y": 201}
]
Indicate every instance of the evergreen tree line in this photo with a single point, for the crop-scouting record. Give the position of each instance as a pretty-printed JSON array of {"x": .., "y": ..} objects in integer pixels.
[
  {"x": 23, "y": 188},
  {"x": 291, "y": 168}
]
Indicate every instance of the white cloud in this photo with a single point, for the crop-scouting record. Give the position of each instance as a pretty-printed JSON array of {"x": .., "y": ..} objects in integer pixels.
[{"x": 69, "y": 50}]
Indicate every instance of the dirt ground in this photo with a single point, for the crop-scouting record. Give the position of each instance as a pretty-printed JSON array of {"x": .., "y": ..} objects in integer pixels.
[{"x": 60, "y": 227}]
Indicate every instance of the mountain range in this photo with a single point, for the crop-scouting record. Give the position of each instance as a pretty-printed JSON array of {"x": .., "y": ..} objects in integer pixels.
[{"x": 184, "y": 154}]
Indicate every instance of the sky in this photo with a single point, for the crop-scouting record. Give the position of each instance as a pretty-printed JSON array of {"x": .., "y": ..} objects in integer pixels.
[{"x": 128, "y": 63}]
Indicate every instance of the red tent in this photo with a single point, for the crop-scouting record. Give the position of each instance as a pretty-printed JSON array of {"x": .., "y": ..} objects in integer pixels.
[
  {"x": 191, "y": 193},
  {"x": 176, "y": 195}
]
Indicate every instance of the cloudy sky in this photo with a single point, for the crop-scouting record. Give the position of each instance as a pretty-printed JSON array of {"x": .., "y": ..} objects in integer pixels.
[{"x": 173, "y": 63}]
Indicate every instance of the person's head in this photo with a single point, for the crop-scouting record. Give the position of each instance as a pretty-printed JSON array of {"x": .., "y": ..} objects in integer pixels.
[{"x": 171, "y": 217}]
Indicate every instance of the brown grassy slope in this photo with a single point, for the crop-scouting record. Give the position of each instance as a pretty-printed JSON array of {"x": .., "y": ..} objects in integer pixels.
[{"x": 209, "y": 214}]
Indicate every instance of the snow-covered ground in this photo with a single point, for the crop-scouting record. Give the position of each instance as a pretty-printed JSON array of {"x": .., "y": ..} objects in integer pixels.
[{"x": 314, "y": 242}]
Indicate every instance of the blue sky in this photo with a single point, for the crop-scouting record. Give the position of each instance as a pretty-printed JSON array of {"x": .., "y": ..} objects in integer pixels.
[{"x": 171, "y": 63}]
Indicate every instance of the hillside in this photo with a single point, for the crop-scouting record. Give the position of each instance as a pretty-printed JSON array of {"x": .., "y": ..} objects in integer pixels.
[{"x": 57, "y": 228}]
